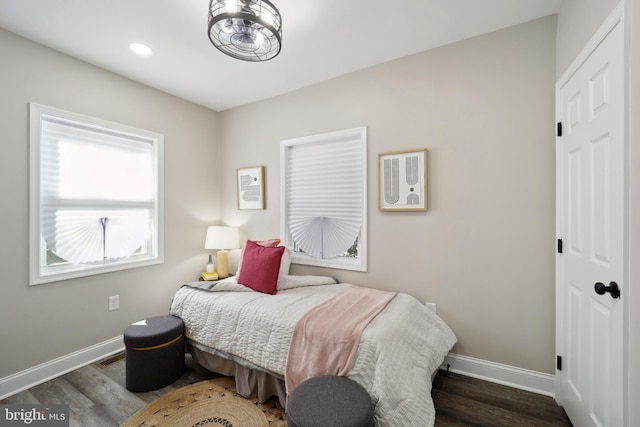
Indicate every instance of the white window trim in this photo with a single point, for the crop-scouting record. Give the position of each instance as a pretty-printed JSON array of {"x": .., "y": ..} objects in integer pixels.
[
  {"x": 345, "y": 263},
  {"x": 36, "y": 242}
]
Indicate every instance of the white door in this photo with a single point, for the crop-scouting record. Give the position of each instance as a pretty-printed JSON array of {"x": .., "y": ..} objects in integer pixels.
[{"x": 590, "y": 204}]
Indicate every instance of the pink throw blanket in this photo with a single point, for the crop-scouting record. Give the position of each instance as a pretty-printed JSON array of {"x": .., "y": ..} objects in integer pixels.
[{"x": 325, "y": 340}]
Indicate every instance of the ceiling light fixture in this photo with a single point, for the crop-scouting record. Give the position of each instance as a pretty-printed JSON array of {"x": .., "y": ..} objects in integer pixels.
[
  {"x": 250, "y": 30},
  {"x": 140, "y": 49}
]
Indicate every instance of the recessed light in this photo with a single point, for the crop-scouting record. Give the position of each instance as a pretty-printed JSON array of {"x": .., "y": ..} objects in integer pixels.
[{"x": 140, "y": 49}]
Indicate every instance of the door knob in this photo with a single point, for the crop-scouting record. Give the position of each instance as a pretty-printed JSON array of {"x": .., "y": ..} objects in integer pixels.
[{"x": 613, "y": 289}]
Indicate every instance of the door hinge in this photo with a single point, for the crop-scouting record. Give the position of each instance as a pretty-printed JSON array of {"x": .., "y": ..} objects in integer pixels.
[
  {"x": 559, "y": 246},
  {"x": 559, "y": 363},
  {"x": 559, "y": 128}
]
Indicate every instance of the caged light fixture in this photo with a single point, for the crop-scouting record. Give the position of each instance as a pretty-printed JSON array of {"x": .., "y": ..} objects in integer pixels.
[{"x": 250, "y": 30}]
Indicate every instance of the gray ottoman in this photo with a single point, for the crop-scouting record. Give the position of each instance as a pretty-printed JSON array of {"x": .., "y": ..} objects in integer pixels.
[
  {"x": 154, "y": 352},
  {"x": 329, "y": 401}
]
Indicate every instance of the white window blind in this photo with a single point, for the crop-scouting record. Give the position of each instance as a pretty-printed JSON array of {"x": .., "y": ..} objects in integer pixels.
[
  {"x": 325, "y": 196},
  {"x": 96, "y": 196}
]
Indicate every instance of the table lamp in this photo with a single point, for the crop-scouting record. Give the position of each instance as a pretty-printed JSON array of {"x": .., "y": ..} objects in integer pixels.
[{"x": 222, "y": 238}]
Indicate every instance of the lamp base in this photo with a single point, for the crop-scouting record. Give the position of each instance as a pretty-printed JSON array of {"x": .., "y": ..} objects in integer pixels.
[{"x": 223, "y": 264}]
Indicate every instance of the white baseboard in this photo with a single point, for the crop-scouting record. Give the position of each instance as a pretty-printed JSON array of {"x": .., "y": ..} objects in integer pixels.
[
  {"x": 511, "y": 376},
  {"x": 524, "y": 379},
  {"x": 44, "y": 372}
]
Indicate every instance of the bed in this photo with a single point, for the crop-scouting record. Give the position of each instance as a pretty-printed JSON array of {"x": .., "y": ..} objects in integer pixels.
[{"x": 235, "y": 330}]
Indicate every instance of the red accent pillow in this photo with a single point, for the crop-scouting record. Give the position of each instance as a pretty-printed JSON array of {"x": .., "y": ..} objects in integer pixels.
[
  {"x": 270, "y": 243},
  {"x": 260, "y": 268}
]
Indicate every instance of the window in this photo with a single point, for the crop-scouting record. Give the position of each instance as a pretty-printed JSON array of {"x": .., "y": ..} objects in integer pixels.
[
  {"x": 324, "y": 199},
  {"x": 95, "y": 196}
]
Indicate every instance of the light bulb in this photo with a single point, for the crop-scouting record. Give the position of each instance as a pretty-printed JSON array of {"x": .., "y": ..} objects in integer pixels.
[{"x": 258, "y": 38}]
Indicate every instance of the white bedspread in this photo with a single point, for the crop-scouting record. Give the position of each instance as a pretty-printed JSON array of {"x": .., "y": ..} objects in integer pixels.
[{"x": 398, "y": 351}]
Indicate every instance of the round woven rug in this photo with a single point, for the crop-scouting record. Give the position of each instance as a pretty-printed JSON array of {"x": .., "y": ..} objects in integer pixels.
[{"x": 210, "y": 403}]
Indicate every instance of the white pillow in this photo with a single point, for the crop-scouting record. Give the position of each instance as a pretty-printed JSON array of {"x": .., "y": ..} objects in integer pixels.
[
  {"x": 289, "y": 282},
  {"x": 285, "y": 262}
]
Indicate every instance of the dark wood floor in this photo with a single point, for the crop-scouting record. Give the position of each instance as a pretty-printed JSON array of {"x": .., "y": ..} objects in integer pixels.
[
  {"x": 97, "y": 396},
  {"x": 464, "y": 401}
]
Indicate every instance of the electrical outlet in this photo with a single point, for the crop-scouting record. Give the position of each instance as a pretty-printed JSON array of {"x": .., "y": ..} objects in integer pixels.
[{"x": 114, "y": 302}]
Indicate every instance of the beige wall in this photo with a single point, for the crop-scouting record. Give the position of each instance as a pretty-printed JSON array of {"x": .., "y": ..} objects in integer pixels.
[
  {"x": 41, "y": 323},
  {"x": 484, "y": 251}
]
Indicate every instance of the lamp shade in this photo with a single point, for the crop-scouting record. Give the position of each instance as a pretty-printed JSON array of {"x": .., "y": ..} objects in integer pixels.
[{"x": 220, "y": 237}]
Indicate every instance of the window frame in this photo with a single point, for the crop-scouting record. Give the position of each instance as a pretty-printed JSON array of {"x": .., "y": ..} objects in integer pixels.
[
  {"x": 345, "y": 263},
  {"x": 39, "y": 272}
]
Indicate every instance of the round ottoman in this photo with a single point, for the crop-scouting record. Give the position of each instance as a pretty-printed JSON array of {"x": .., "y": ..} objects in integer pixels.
[
  {"x": 154, "y": 352},
  {"x": 329, "y": 401}
]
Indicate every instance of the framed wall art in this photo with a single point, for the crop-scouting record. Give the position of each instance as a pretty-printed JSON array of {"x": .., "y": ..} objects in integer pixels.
[
  {"x": 251, "y": 187},
  {"x": 402, "y": 181}
]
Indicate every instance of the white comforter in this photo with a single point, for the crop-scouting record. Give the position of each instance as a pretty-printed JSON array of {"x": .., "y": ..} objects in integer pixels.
[{"x": 398, "y": 352}]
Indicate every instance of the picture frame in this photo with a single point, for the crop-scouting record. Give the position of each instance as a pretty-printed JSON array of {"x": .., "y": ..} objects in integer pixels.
[
  {"x": 402, "y": 180},
  {"x": 250, "y": 187}
]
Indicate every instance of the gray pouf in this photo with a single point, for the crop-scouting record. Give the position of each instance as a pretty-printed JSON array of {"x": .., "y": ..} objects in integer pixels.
[
  {"x": 154, "y": 353},
  {"x": 329, "y": 401}
]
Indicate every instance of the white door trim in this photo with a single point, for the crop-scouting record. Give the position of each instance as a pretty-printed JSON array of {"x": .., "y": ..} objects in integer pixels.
[{"x": 612, "y": 20}]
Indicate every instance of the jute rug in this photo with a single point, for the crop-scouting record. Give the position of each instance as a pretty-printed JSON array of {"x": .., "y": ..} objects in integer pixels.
[{"x": 208, "y": 403}]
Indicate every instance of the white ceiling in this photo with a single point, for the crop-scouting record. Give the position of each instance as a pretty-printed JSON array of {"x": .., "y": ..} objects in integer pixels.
[{"x": 322, "y": 39}]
